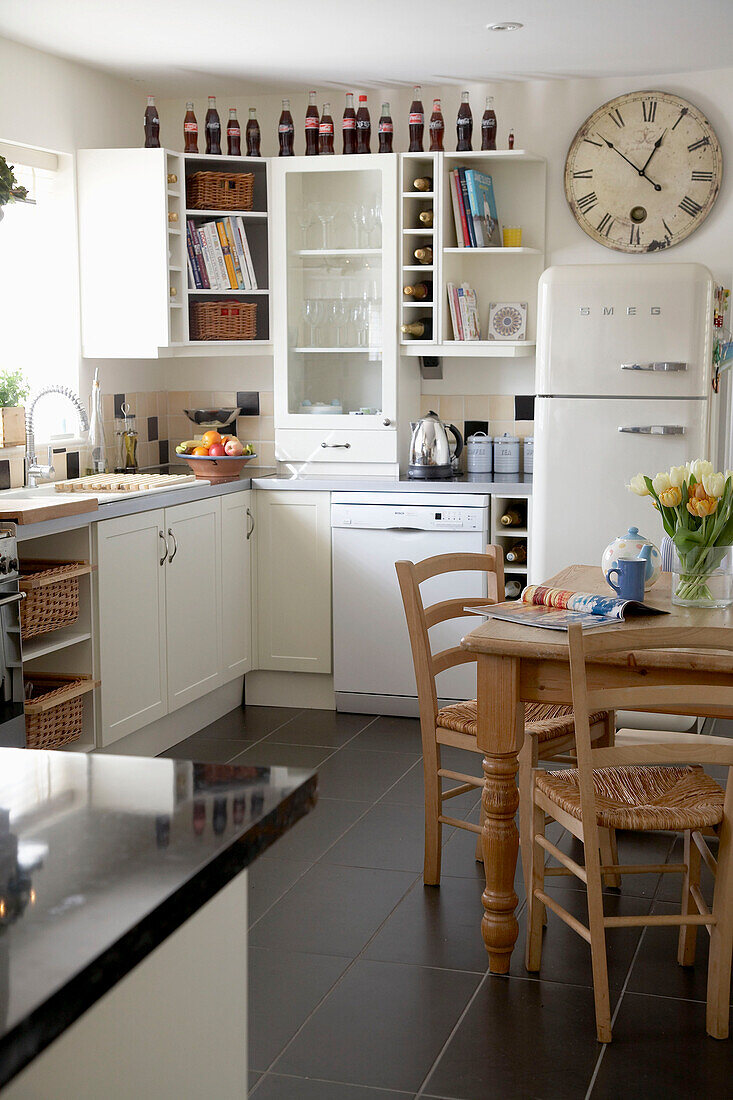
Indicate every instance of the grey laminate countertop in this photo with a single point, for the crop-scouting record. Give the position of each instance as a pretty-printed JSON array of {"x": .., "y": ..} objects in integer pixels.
[{"x": 504, "y": 484}]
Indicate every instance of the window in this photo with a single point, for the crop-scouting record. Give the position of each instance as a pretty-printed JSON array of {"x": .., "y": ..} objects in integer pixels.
[{"x": 39, "y": 299}]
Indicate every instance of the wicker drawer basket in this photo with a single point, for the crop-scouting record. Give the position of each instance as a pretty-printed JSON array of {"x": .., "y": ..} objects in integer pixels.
[
  {"x": 51, "y": 595},
  {"x": 220, "y": 190},
  {"x": 54, "y": 709},
  {"x": 223, "y": 320}
]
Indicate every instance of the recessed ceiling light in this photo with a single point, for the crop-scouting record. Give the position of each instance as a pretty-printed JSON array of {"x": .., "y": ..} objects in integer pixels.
[{"x": 504, "y": 26}]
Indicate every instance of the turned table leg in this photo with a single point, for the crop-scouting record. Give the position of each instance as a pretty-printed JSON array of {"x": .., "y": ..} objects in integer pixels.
[{"x": 500, "y": 733}]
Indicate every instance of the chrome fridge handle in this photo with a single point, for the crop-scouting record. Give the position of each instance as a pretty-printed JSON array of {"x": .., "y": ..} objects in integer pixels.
[
  {"x": 663, "y": 366},
  {"x": 654, "y": 429}
]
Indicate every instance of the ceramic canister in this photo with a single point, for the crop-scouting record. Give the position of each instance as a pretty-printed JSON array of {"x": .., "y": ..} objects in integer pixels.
[
  {"x": 478, "y": 451},
  {"x": 529, "y": 455},
  {"x": 506, "y": 454}
]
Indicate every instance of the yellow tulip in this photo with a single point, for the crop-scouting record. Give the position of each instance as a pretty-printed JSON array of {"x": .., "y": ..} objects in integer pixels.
[
  {"x": 678, "y": 475},
  {"x": 638, "y": 485},
  {"x": 660, "y": 483},
  {"x": 713, "y": 484},
  {"x": 671, "y": 497},
  {"x": 701, "y": 507}
]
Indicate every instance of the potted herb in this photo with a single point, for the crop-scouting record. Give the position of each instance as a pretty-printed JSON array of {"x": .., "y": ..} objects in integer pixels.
[
  {"x": 10, "y": 189},
  {"x": 13, "y": 390}
]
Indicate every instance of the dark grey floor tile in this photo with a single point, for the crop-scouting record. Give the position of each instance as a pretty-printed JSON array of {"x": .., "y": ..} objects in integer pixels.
[
  {"x": 277, "y": 1086},
  {"x": 320, "y": 727},
  {"x": 249, "y": 723},
  {"x": 268, "y": 880},
  {"x": 265, "y": 754},
  {"x": 332, "y": 910},
  {"x": 435, "y": 926},
  {"x": 391, "y": 734},
  {"x": 317, "y": 831},
  {"x": 521, "y": 1040},
  {"x": 389, "y": 835},
  {"x": 284, "y": 988},
  {"x": 253, "y": 1079},
  {"x": 566, "y": 957},
  {"x": 383, "y": 1025},
  {"x": 203, "y": 750},
  {"x": 361, "y": 776},
  {"x": 660, "y": 1048},
  {"x": 670, "y": 888},
  {"x": 411, "y": 789},
  {"x": 632, "y": 848}
]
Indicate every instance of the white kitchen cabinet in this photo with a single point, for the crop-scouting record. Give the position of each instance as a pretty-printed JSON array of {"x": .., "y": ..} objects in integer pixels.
[
  {"x": 159, "y": 613},
  {"x": 132, "y": 626},
  {"x": 293, "y": 550},
  {"x": 193, "y": 600},
  {"x": 237, "y": 530}
]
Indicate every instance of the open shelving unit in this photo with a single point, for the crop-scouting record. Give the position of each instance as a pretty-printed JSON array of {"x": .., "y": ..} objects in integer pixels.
[
  {"x": 506, "y": 537},
  {"x": 414, "y": 236}
]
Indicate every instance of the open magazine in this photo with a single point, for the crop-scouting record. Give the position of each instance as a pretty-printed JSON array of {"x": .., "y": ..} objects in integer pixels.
[{"x": 556, "y": 609}]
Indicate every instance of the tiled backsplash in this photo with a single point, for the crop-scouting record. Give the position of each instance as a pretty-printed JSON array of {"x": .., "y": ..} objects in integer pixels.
[
  {"x": 494, "y": 413},
  {"x": 258, "y": 429}
]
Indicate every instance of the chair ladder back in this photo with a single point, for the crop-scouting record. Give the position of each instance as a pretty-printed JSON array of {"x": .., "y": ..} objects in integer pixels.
[{"x": 419, "y": 639}]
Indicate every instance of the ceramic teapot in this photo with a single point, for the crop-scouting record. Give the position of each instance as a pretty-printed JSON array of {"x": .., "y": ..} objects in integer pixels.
[{"x": 633, "y": 545}]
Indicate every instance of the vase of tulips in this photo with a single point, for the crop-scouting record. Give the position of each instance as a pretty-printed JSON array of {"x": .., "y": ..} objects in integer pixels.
[{"x": 696, "y": 506}]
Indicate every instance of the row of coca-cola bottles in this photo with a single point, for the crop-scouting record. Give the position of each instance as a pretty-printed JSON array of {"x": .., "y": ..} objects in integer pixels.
[{"x": 356, "y": 128}]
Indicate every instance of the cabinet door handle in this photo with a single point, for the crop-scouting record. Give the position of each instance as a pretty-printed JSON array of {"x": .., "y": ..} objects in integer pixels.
[
  {"x": 337, "y": 445},
  {"x": 654, "y": 429},
  {"x": 251, "y": 525},
  {"x": 665, "y": 367},
  {"x": 175, "y": 546},
  {"x": 165, "y": 552}
]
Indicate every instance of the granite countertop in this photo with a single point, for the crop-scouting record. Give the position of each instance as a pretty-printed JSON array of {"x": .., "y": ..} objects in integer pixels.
[{"x": 103, "y": 857}]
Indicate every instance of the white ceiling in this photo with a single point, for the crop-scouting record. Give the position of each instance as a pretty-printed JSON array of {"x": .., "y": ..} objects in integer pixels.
[{"x": 186, "y": 47}]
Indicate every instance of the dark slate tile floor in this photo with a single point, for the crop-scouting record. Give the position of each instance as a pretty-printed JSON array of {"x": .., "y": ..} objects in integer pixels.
[{"x": 365, "y": 985}]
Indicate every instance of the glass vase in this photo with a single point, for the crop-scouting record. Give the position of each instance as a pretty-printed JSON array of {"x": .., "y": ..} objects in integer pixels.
[{"x": 703, "y": 577}]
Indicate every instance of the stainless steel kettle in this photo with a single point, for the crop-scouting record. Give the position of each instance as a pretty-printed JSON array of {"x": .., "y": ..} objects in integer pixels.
[{"x": 430, "y": 456}]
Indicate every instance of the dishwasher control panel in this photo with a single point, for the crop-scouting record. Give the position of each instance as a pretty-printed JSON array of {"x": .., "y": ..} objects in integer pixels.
[{"x": 408, "y": 517}]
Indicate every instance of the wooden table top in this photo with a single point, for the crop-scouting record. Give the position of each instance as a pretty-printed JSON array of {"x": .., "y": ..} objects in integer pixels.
[{"x": 500, "y": 638}]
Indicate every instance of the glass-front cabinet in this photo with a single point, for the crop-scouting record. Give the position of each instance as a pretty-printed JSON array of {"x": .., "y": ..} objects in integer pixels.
[{"x": 334, "y": 252}]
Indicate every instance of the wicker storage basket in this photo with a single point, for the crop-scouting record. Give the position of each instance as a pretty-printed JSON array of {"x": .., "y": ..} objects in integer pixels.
[
  {"x": 51, "y": 595},
  {"x": 54, "y": 709},
  {"x": 223, "y": 320},
  {"x": 220, "y": 190}
]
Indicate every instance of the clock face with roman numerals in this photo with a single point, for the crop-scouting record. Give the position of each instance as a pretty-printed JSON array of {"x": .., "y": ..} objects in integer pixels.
[{"x": 643, "y": 172}]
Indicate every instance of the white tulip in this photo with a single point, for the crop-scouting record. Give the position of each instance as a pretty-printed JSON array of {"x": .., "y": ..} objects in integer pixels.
[
  {"x": 713, "y": 484},
  {"x": 678, "y": 475},
  {"x": 661, "y": 482},
  {"x": 638, "y": 485},
  {"x": 700, "y": 467}
]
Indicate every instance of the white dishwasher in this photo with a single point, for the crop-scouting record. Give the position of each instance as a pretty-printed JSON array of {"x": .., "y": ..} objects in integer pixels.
[{"x": 372, "y": 659}]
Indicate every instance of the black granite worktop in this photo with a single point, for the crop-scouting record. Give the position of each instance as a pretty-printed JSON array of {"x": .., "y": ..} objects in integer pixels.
[{"x": 103, "y": 857}]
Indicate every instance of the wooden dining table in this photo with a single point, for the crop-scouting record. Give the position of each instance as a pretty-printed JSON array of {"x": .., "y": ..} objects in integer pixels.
[{"x": 519, "y": 664}]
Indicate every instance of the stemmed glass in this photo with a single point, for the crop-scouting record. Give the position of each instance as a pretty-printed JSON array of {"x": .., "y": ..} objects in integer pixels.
[
  {"x": 305, "y": 221},
  {"x": 356, "y": 221},
  {"x": 325, "y": 212},
  {"x": 310, "y": 316}
]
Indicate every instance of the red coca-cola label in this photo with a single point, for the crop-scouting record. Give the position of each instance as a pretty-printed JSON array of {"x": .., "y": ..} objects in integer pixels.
[
  {"x": 325, "y": 128},
  {"x": 285, "y": 128},
  {"x": 416, "y": 118},
  {"x": 190, "y": 128},
  {"x": 233, "y": 131},
  {"x": 386, "y": 128},
  {"x": 311, "y": 123},
  {"x": 349, "y": 124}
]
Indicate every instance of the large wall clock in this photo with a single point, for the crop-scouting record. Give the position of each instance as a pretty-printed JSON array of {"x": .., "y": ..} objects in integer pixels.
[{"x": 643, "y": 172}]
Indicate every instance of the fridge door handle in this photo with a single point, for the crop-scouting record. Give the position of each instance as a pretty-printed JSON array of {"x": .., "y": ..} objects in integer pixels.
[
  {"x": 653, "y": 429},
  {"x": 663, "y": 367}
]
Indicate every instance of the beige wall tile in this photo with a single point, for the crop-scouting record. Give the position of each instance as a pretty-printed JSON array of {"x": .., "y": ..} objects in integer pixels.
[
  {"x": 476, "y": 407},
  {"x": 267, "y": 403},
  {"x": 267, "y": 427},
  {"x": 223, "y": 399},
  {"x": 177, "y": 402},
  {"x": 108, "y": 406},
  {"x": 501, "y": 427},
  {"x": 180, "y": 428},
  {"x": 451, "y": 408},
  {"x": 249, "y": 428},
  {"x": 501, "y": 407},
  {"x": 265, "y": 454},
  {"x": 523, "y": 428},
  {"x": 198, "y": 399},
  {"x": 429, "y": 401}
]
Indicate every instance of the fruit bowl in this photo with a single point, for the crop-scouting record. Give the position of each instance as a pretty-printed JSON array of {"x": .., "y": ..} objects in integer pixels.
[{"x": 227, "y": 468}]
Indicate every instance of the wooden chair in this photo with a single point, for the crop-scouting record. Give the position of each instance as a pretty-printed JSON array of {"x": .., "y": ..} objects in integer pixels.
[
  {"x": 617, "y": 787},
  {"x": 549, "y": 728}
]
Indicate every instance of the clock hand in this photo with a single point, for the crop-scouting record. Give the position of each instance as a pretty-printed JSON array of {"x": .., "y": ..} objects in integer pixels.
[
  {"x": 639, "y": 171},
  {"x": 657, "y": 143}
]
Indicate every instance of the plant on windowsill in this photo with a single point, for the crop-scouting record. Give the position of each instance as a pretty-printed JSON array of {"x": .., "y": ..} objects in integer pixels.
[
  {"x": 13, "y": 390},
  {"x": 10, "y": 189}
]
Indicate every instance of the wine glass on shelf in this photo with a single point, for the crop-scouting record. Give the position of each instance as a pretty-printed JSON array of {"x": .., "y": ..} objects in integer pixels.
[
  {"x": 356, "y": 221},
  {"x": 376, "y": 220},
  {"x": 325, "y": 212},
  {"x": 341, "y": 319},
  {"x": 310, "y": 314},
  {"x": 358, "y": 324},
  {"x": 305, "y": 221}
]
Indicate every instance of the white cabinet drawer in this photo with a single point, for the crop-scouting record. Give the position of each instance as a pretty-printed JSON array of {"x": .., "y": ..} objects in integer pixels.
[{"x": 334, "y": 445}]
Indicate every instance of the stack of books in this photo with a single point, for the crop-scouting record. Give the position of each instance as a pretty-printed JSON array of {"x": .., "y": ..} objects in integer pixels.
[
  {"x": 474, "y": 209},
  {"x": 219, "y": 257},
  {"x": 463, "y": 312}
]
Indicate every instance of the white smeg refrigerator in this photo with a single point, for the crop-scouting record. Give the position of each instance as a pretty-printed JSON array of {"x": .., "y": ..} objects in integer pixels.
[{"x": 623, "y": 386}]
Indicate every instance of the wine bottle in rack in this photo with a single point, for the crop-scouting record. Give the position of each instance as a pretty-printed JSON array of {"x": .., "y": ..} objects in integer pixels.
[
  {"x": 488, "y": 125},
  {"x": 363, "y": 127},
  {"x": 234, "y": 134},
  {"x": 464, "y": 126},
  {"x": 286, "y": 131},
  {"x": 190, "y": 131},
  {"x": 423, "y": 183},
  {"x": 512, "y": 518},
  {"x": 512, "y": 589},
  {"x": 386, "y": 130},
  {"x": 517, "y": 554},
  {"x": 423, "y": 255},
  {"x": 253, "y": 134},
  {"x": 348, "y": 124},
  {"x": 421, "y": 292},
  {"x": 312, "y": 123},
  {"x": 420, "y": 330},
  {"x": 437, "y": 128},
  {"x": 417, "y": 121},
  {"x": 425, "y": 217},
  {"x": 325, "y": 132},
  {"x": 213, "y": 128}
]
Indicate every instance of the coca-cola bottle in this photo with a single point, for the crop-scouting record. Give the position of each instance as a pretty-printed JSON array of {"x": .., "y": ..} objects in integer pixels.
[
  {"x": 510, "y": 140},
  {"x": 286, "y": 131},
  {"x": 386, "y": 130},
  {"x": 311, "y": 127},
  {"x": 152, "y": 125},
  {"x": 363, "y": 127},
  {"x": 252, "y": 134},
  {"x": 464, "y": 126},
  {"x": 488, "y": 125},
  {"x": 234, "y": 134},
  {"x": 325, "y": 132},
  {"x": 213, "y": 128},
  {"x": 437, "y": 128},
  {"x": 417, "y": 121},
  {"x": 190, "y": 131},
  {"x": 348, "y": 124}
]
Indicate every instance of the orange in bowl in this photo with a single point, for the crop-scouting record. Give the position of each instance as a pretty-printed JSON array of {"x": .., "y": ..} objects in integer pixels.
[
  {"x": 209, "y": 438},
  {"x": 201, "y": 451}
]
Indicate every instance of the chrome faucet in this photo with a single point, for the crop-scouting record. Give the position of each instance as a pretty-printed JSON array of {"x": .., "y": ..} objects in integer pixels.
[{"x": 34, "y": 470}]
